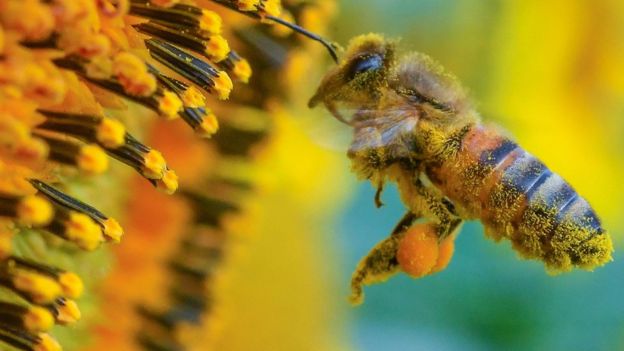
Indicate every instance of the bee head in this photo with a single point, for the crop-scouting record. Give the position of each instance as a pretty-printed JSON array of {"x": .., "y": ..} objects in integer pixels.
[{"x": 356, "y": 81}]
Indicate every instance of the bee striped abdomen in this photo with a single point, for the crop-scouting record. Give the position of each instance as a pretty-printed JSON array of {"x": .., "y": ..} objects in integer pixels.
[{"x": 517, "y": 197}]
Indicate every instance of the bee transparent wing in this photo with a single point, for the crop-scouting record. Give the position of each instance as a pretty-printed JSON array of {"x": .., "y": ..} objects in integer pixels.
[
  {"x": 326, "y": 132},
  {"x": 391, "y": 129}
]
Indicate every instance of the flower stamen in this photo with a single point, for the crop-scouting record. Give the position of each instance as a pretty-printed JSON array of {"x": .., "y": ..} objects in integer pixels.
[
  {"x": 107, "y": 132},
  {"x": 190, "y": 67},
  {"x": 213, "y": 46},
  {"x": 26, "y": 341},
  {"x": 65, "y": 311},
  {"x": 32, "y": 318},
  {"x": 89, "y": 158}
]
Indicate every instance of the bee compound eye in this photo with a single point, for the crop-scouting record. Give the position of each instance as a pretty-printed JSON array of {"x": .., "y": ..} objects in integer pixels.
[{"x": 365, "y": 63}]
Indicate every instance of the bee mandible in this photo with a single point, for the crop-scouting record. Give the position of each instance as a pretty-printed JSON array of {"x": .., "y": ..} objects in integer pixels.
[{"x": 413, "y": 124}]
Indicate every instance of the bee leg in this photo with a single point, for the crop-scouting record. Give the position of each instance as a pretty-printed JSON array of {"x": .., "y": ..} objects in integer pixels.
[
  {"x": 438, "y": 208},
  {"x": 378, "y": 202},
  {"x": 381, "y": 262}
]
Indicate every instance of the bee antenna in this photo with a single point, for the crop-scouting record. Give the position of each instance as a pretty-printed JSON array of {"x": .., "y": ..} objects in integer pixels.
[{"x": 331, "y": 47}]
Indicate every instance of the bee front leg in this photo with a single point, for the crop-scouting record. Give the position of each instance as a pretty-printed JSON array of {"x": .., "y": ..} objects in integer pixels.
[{"x": 381, "y": 262}]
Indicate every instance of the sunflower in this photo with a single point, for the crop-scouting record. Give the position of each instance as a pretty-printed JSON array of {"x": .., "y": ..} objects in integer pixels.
[{"x": 77, "y": 76}]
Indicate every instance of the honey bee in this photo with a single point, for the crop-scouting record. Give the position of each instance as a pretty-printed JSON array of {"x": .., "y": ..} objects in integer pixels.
[{"x": 414, "y": 125}]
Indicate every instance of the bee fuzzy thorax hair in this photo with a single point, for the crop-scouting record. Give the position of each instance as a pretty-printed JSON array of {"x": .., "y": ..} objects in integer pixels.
[{"x": 427, "y": 79}]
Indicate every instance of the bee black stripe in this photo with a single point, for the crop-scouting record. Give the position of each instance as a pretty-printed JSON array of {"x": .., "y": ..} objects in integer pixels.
[{"x": 495, "y": 156}]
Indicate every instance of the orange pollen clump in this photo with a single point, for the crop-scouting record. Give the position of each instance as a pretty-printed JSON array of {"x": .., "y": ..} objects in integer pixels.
[
  {"x": 418, "y": 250},
  {"x": 446, "y": 250}
]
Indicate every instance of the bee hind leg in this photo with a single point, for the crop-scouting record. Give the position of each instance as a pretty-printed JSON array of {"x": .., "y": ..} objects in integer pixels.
[{"x": 381, "y": 262}]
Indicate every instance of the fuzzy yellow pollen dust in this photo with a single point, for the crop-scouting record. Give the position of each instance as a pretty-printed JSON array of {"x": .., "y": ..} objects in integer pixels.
[
  {"x": 168, "y": 183},
  {"x": 154, "y": 164},
  {"x": 133, "y": 75},
  {"x": 35, "y": 210},
  {"x": 47, "y": 343},
  {"x": 83, "y": 231},
  {"x": 210, "y": 22},
  {"x": 113, "y": 230},
  {"x": 209, "y": 126},
  {"x": 71, "y": 285},
  {"x": 217, "y": 48},
  {"x": 169, "y": 105},
  {"x": 242, "y": 70},
  {"x": 38, "y": 319},
  {"x": 41, "y": 289},
  {"x": 223, "y": 86},
  {"x": 92, "y": 159},
  {"x": 110, "y": 133},
  {"x": 37, "y": 25},
  {"x": 68, "y": 312},
  {"x": 193, "y": 97}
]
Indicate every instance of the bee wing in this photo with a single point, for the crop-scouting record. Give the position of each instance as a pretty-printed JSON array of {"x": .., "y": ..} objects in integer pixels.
[
  {"x": 325, "y": 130},
  {"x": 389, "y": 128}
]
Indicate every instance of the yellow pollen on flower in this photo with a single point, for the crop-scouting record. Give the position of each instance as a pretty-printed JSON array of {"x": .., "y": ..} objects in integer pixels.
[
  {"x": 83, "y": 231},
  {"x": 38, "y": 319},
  {"x": 168, "y": 183},
  {"x": 164, "y": 3},
  {"x": 247, "y": 5},
  {"x": 92, "y": 159},
  {"x": 71, "y": 284},
  {"x": 68, "y": 312},
  {"x": 242, "y": 70},
  {"x": 209, "y": 126},
  {"x": 47, "y": 343},
  {"x": 110, "y": 133},
  {"x": 95, "y": 45},
  {"x": 41, "y": 289},
  {"x": 99, "y": 68},
  {"x": 37, "y": 83},
  {"x": 272, "y": 7},
  {"x": 126, "y": 64},
  {"x": 32, "y": 149},
  {"x": 132, "y": 74},
  {"x": 217, "y": 48},
  {"x": 68, "y": 11},
  {"x": 210, "y": 21},
  {"x": 154, "y": 165},
  {"x": 35, "y": 210},
  {"x": 193, "y": 97},
  {"x": 141, "y": 85},
  {"x": 113, "y": 230},
  {"x": 223, "y": 86},
  {"x": 169, "y": 104},
  {"x": 30, "y": 18}
]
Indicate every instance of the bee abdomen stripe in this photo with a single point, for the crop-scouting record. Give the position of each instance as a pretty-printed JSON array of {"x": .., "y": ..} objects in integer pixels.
[
  {"x": 580, "y": 212},
  {"x": 497, "y": 155},
  {"x": 525, "y": 173}
]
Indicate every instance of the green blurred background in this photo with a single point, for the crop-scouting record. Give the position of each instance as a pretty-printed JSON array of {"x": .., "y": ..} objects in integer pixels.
[{"x": 552, "y": 73}]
